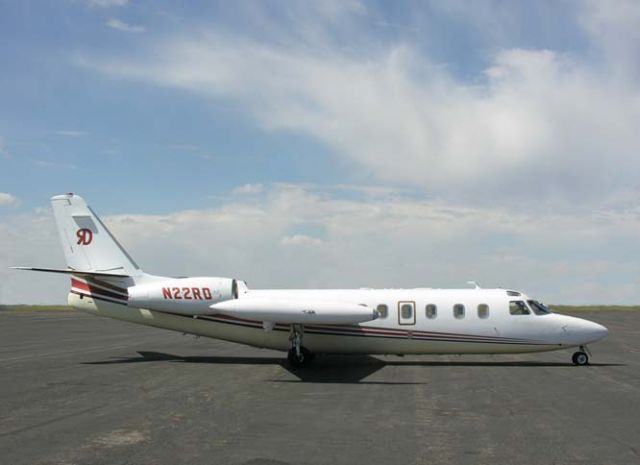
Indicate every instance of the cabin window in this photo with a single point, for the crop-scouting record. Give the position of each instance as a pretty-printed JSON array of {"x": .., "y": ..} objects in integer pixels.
[
  {"x": 431, "y": 310},
  {"x": 483, "y": 311},
  {"x": 406, "y": 313},
  {"x": 458, "y": 311},
  {"x": 382, "y": 310},
  {"x": 518, "y": 307}
]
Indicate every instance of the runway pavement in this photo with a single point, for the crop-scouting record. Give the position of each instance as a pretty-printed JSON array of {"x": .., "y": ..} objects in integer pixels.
[{"x": 76, "y": 389}]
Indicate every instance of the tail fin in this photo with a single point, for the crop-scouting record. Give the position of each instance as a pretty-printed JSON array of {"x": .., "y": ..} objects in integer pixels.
[{"x": 87, "y": 243}]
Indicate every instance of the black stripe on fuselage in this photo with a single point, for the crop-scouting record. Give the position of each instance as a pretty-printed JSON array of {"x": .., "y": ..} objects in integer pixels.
[
  {"x": 382, "y": 333},
  {"x": 357, "y": 332},
  {"x": 99, "y": 297}
]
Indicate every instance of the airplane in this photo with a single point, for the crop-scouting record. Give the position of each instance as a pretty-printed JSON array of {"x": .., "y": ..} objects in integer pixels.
[{"x": 106, "y": 281}]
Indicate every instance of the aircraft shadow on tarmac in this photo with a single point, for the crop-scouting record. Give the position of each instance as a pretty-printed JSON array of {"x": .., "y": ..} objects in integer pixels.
[
  {"x": 330, "y": 369},
  {"x": 352, "y": 369}
]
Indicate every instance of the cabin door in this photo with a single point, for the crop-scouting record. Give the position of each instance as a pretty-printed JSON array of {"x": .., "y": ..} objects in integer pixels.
[{"x": 407, "y": 313}]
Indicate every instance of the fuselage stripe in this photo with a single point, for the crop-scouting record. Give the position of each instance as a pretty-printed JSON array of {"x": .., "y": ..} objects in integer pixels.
[
  {"x": 414, "y": 332},
  {"x": 107, "y": 286},
  {"x": 93, "y": 295},
  {"x": 90, "y": 283},
  {"x": 330, "y": 331},
  {"x": 442, "y": 337},
  {"x": 368, "y": 330},
  {"x": 91, "y": 289}
]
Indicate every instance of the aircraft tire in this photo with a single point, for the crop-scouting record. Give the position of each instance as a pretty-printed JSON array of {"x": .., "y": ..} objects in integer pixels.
[
  {"x": 299, "y": 361},
  {"x": 580, "y": 359}
]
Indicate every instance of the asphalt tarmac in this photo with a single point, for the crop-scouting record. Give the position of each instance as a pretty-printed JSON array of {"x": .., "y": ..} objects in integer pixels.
[{"x": 77, "y": 389}]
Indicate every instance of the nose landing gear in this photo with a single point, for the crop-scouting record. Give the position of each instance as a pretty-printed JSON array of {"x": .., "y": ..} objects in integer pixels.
[{"x": 580, "y": 358}]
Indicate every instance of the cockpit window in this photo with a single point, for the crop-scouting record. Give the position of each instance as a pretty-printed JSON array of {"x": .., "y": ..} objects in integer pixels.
[
  {"x": 539, "y": 308},
  {"x": 518, "y": 307}
]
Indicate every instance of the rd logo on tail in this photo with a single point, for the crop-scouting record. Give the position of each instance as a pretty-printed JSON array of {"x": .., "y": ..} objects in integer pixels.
[{"x": 85, "y": 236}]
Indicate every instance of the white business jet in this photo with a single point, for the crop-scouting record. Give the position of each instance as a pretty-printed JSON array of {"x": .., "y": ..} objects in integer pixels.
[{"x": 106, "y": 281}]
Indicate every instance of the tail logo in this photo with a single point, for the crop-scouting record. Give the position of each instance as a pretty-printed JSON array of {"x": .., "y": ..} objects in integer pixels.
[{"x": 85, "y": 236}]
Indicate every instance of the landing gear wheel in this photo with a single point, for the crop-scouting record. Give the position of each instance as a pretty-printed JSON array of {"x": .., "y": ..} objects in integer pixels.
[
  {"x": 298, "y": 355},
  {"x": 299, "y": 360},
  {"x": 580, "y": 359}
]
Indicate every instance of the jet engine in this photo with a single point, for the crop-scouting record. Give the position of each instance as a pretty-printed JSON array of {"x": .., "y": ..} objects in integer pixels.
[{"x": 186, "y": 296}]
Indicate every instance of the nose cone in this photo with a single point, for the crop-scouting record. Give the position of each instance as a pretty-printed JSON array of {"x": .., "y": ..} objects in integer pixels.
[
  {"x": 590, "y": 332},
  {"x": 599, "y": 331},
  {"x": 576, "y": 331}
]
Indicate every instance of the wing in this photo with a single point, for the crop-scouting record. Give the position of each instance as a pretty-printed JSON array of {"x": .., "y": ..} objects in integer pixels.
[{"x": 296, "y": 311}]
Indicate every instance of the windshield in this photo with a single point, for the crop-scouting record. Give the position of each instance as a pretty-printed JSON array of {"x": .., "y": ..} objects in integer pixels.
[{"x": 539, "y": 308}]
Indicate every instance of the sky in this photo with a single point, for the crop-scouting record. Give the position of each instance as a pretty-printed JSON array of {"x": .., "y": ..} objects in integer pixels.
[{"x": 331, "y": 143}]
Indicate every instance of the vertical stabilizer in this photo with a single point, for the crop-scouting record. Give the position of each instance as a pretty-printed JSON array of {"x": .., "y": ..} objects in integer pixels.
[{"x": 87, "y": 243}]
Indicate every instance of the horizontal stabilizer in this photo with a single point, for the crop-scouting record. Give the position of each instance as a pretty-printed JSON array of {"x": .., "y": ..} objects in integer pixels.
[
  {"x": 296, "y": 311},
  {"x": 72, "y": 272}
]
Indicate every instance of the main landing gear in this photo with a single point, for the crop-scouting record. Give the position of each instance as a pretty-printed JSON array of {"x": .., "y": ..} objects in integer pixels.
[
  {"x": 580, "y": 358},
  {"x": 298, "y": 356}
]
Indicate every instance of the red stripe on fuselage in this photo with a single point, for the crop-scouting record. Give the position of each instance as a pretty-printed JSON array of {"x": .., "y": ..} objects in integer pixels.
[{"x": 93, "y": 290}]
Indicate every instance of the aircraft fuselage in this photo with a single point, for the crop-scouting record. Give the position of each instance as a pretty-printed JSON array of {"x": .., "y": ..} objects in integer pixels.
[{"x": 410, "y": 321}]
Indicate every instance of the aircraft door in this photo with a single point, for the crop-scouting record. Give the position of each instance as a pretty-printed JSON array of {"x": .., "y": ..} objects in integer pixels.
[{"x": 407, "y": 313}]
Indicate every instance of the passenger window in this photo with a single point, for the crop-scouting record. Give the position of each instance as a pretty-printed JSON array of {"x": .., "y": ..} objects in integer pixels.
[
  {"x": 383, "y": 311},
  {"x": 483, "y": 311},
  {"x": 431, "y": 311},
  {"x": 518, "y": 307},
  {"x": 406, "y": 313},
  {"x": 458, "y": 311}
]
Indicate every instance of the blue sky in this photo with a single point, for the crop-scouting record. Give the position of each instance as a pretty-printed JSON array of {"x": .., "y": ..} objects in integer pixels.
[
  {"x": 326, "y": 142},
  {"x": 64, "y": 123}
]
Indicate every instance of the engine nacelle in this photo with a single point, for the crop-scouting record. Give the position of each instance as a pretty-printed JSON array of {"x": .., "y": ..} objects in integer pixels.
[{"x": 187, "y": 296}]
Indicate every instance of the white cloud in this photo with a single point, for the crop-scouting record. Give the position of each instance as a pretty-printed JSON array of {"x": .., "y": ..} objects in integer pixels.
[
  {"x": 52, "y": 164},
  {"x": 8, "y": 199},
  {"x": 119, "y": 25},
  {"x": 383, "y": 242},
  {"x": 30, "y": 240},
  {"x": 535, "y": 126},
  {"x": 300, "y": 240},
  {"x": 107, "y": 3},
  {"x": 248, "y": 189},
  {"x": 614, "y": 27},
  {"x": 192, "y": 150},
  {"x": 70, "y": 133}
]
